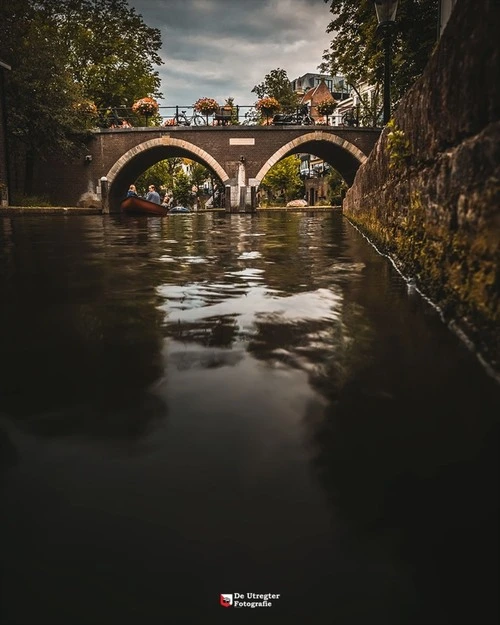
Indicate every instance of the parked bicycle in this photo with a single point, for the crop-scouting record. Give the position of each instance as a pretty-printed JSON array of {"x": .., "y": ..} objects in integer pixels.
[
  {"x": 365, "y": 118},
  {"x": 299, "y": 117},
  {"x": 181, "y": 119},
  {"x": 251, "y": 118}
]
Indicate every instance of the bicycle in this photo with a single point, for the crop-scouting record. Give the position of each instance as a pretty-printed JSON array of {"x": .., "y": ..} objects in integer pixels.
[
  {"x": 350, "y": 117},
  {"x": 372, "y": 119},
  {"x": 181, "y": 119},
  {"x": 251, "y": 118}
]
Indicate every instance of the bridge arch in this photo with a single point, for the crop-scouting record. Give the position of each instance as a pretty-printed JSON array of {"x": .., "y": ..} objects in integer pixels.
[
  {"x": 142, "y": 156},
  {"x": 343, "y": 155}
]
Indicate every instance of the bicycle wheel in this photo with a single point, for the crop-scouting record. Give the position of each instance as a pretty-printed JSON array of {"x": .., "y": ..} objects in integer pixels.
[
  {"x": 348, "y": 119},
  {"x": 198, "y": 120},
  {"x": 367, "y": 121}
]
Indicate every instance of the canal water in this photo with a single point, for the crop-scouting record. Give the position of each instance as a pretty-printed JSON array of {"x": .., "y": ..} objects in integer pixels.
[{"x": 240, "y": 405}]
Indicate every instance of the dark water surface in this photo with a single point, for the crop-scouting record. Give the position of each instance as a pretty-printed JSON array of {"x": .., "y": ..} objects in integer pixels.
[{"x": 212, "y": 404}]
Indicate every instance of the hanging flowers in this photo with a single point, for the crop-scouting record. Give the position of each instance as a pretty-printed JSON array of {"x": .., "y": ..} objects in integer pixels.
[
  {"x": 207, "y": 106},
  {"x": 267, "y": 105},
  {"x": 86, "y": 108},
  {"x": 326, "y": 107},
  {"x": 146, "y": 107}
]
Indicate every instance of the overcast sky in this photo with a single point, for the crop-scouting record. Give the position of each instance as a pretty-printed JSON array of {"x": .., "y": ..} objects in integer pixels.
[{"x": 222, "y": 48}]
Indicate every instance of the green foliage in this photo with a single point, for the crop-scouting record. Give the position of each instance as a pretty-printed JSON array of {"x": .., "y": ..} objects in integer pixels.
[
  {"x": 161, "y": 174},
  {"x": 40, "y": 92},
  {"x": 168, "y": 175},
  {"x": 336, "y": 188},
  {"x": 277, "y": 85},
  {"x": 65, "y": 53},
  {"x": 284, "y": 180},
  {"x": 111, "y": 52},
  {"x": 398, "y": 146},
  {"x": 199, "y": 173},
  {"x": 357, "y": 52},
  {"x": 182, "y": 190}
]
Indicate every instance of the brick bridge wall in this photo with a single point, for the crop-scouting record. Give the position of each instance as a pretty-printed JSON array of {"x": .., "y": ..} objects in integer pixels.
[{"x": 121, "y": 155}]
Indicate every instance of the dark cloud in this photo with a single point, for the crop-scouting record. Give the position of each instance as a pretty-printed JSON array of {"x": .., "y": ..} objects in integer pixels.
[{"x": 222, "y": 48}]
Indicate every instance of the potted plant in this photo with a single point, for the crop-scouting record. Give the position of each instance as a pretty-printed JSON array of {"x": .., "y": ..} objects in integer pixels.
[
  {"x": 86, "y": 108},
  {"x": 326, "y": 107},
  {"x": 267, "y": 105},
  {"x": 87, "y": 113},
  {"x": 227, "y": 114},
  {"x": 206, "y": 106},
  {"x": 145, "y": 107}
]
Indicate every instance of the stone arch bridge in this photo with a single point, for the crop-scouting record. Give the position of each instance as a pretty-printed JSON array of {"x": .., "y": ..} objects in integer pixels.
[{"x": 239, "y": 156}]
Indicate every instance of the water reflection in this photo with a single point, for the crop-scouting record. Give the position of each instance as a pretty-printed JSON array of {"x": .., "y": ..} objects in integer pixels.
[
  {"x": 248, "y": 404},
  {"x": 80, "y": 337}
]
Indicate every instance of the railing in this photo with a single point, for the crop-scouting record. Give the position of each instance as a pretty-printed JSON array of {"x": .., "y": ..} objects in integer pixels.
[{"x": 169, "y": 116}]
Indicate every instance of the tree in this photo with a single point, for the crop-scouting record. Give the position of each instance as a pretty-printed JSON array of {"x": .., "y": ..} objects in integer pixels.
[
  {"x": 356, "y": 51},
  {"x": 160, "y": 174},
  {"x": 182, "y": 189},
  {"x": 336, "y": 187},
  {"x": 284, "y": 179},
  {"x": 277, "y": 85},
  {"x": 63, "y": 53},
  {"x": 199, "y": 174},
  {"x": 41, "y": 94},
  {"x": 111, "y": 51}
]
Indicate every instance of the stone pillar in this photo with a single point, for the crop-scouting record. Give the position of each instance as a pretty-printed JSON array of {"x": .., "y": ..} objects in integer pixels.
[
  {"x": 253, "y": 199},
  {"x": 104, "y": 194},
  {"x": 241, "y": 172}
]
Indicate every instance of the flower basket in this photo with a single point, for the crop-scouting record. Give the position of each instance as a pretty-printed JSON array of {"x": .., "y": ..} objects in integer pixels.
[
  {"x": 267, "y": 106},
  {"x": 326, "y": 107},
  {"x": 206, "y": 106},
  {"x": 146, "y": 107},
  {"x": 86, "y": 108}
]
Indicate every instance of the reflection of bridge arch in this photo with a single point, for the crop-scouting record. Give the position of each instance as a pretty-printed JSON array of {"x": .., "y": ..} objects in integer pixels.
[
  {"x": 139, "y": 158},
  {"x": 344, "y": 156}
]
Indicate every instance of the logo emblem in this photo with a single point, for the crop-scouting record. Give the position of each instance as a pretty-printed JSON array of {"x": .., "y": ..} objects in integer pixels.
[{"x": 226, "y": 600}]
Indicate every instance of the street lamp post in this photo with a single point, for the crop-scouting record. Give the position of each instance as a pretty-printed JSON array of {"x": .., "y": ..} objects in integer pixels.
[{"x": 386, "y": 16}]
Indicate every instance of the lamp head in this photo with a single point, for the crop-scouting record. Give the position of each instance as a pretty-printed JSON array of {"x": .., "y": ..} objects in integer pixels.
[{"x": 386, "y": 10}]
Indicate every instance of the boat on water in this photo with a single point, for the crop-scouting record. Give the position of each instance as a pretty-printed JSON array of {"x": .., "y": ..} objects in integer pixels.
[
  {"x": 140, "y": 206},
  {"x": 180, "y": 209}
]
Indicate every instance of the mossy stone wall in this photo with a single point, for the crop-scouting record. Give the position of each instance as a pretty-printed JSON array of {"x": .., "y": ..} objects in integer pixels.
[{"x": 437, "y": 212}]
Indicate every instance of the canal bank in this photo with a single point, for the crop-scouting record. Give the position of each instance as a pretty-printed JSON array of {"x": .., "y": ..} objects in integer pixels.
[
  {"x": 429, "y": 194},
  {"x": 11, "y": 211}
]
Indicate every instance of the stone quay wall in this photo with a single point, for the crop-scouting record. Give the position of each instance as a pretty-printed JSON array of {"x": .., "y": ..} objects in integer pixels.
[
  {"x": 4, "y": 190},
  {"x": 433, "y": 205}
]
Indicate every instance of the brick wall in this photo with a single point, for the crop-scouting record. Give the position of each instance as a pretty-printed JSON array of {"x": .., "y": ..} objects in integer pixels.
[
  {"x": 4, "y": 192},
  {"x": 437, "y": 213}
]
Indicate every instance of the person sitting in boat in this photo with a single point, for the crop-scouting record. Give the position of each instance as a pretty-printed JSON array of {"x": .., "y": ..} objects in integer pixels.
[
  {"x": 168, "y": 200},
  {"x": 153, "y": 195},
  {"x": 132, "y": 191}
]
